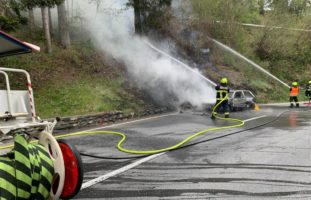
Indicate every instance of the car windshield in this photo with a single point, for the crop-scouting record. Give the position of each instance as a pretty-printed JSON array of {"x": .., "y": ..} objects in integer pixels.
[
  {"x": 248, "y": 94},
  {"x": 238, "y": 94}
]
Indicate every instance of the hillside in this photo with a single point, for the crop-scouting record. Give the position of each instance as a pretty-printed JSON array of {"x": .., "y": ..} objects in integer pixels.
[
  {"x": 282, "y": 45},
  {"x": 76, "y": 81},
  {"x": 82, "y": 77}
]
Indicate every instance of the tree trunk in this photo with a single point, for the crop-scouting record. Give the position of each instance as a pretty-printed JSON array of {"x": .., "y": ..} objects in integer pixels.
[
  {"x": 3, "y": 7},
  {"x": 31, "y": 22},
  {"x": 261, "y": 7},
  {"x": 50, "y": 21},
  {"x": 72, "y": 5},
  {"x": 137, "y": 15},
  {"x": 63, "y": 25},
  {"x": 46, "y": 27}
]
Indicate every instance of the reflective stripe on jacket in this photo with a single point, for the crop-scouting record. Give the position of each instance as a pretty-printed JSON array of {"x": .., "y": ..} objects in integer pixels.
[
  {"x": 294, "y": 91},
  {"x": 222, "y": 92}
]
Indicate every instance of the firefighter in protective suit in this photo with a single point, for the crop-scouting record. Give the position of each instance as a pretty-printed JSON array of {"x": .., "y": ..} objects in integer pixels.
[
  {"x": 294, "y": 91},
  {"x": 222, "y": 95},
  {"x": 308, "y": 91}
]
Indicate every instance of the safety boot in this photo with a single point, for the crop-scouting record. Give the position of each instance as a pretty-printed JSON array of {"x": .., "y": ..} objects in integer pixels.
[
  {"x": 297, "y": 105},
  {"x": 291, "y": 105},
  {"x": 226, "y": 115},
  {"x": 214, "y": 114}
]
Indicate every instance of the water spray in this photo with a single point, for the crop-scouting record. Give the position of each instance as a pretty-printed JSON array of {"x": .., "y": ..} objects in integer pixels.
[
  {"x": 179, "y": 62},
  {"x": 248, "y": 61},
  {"x": 224, "y": 47}
]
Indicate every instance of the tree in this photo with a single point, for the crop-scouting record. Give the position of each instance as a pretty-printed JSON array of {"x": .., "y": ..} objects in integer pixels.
[
  {"x": 10, "y": 16},
  {"x": 261, "y": 7},
  {"x": 45, "y": 5},
  {"x": 150, "y": 15},
  {"x": 46, "y": 28},
  {"x": 97, "y": 3},
  {"x": 63, "y": 25},
  {"x": 298, "y": 7},
  {"x": 50, "y": 20},
  {"x": 219, "y": 19},
  {"x": 3, "y": 7},
  {"x": 29, "y": 5},
  {"x": 137, "y": 16},
  {"x": 280, "y": 6}
]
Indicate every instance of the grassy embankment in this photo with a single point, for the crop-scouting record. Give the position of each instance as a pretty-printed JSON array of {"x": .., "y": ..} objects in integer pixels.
[{"x": 74, "y": 81}]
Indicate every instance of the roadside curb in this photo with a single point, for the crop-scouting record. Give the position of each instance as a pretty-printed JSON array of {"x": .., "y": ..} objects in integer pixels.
[
  {"x": 105, "y": 118},
  {"x": 284, "y": 104}
]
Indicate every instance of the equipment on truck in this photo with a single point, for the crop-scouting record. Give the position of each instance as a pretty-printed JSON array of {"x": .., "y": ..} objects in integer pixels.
[{"x": 38, "y": 166}]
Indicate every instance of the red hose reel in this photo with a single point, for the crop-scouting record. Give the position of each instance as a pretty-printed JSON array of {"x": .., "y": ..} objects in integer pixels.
[{"x": 73, "y": 170}]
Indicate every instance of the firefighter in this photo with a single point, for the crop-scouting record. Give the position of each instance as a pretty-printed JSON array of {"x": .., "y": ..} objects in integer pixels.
[
  {"x": 308, "y": 91},
  {"x": 222, "y": 95},
  {"x": 294, "y": 91}
]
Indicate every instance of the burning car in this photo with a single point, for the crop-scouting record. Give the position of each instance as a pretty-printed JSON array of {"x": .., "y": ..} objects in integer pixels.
[{"x": 241, "y": 100}]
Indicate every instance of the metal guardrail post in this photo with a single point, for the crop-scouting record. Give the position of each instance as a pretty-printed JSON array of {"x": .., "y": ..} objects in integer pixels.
[{"x": 8, "y": 88}]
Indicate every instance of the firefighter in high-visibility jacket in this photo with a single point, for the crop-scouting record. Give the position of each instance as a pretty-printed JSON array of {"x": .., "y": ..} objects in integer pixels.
[
  {"x": 222, "y": 95},
  {"x": 308, "y": 91},
  {"x": 294, "y": 91}
]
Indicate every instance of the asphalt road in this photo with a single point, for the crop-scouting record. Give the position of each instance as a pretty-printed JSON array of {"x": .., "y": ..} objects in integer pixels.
[{"x": 268, "y": 162}]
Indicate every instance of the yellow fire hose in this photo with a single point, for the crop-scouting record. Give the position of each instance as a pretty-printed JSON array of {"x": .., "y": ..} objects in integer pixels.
[{"x": 153, "y": 151}]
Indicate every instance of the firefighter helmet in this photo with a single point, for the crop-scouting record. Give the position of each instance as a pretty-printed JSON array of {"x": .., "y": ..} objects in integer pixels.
[{"x": 224, "y": 80}]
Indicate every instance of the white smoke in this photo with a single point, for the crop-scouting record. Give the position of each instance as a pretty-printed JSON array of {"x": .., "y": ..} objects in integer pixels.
[{"x": 152, "y": 71}]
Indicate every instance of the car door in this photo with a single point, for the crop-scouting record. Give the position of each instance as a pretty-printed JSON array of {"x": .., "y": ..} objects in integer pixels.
[
  {"x": 250, "y": 99},
  {"x": 248, "y": 96},
  {"x": 239, "y": 99}
]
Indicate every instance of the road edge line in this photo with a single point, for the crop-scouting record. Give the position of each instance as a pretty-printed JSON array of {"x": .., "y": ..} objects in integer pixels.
[{"x": 118, "y": 171}]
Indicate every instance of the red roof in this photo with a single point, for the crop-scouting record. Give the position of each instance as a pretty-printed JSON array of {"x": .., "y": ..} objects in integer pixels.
[{"x": 10, "y": 45}]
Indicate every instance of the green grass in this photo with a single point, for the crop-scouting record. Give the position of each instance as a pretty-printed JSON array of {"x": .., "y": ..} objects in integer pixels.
[
  {"x": 84, "y": 96},
  {"x": 74, "y": 81}
]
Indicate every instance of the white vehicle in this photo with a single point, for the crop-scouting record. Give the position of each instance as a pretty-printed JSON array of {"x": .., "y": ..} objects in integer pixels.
[{"x": 241, "y": 99}]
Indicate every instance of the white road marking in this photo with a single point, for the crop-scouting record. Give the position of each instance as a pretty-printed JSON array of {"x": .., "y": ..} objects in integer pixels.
[
  {"x": 134, "y": 164},
  {"x": 247, "y": 120},
  {"x": 119, "y": 171}
]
